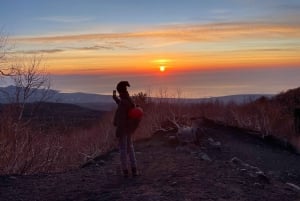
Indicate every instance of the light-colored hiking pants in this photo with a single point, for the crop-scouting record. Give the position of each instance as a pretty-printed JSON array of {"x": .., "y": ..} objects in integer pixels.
[{"x": 126, "y": 149}]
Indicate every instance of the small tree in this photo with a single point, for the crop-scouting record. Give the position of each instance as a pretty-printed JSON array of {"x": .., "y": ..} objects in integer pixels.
[
  {"x": 30, "y": 79},
  {"x": 140, "y": 98},
  {"x": 27, "y": 74},
  {"x": 21, "y": 148},
  {"x": 5, "y": 69}
]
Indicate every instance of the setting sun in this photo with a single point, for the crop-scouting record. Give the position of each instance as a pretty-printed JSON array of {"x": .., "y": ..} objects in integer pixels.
[{"x": 162, "y": 68}]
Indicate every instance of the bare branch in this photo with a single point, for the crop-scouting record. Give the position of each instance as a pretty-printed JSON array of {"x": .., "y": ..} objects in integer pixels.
[
  {"x": 30, "y": 78},
  {"x": 5, "y": 70}
]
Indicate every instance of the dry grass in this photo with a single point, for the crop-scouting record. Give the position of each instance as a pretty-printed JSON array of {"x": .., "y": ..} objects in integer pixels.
[
  {"x": 25, "y": 150},
  {"x": 28, "y": 150},
  {"x": 266, "y": 117}
]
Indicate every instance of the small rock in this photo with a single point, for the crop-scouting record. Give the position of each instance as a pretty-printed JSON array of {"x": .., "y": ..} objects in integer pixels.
[
  {"x": 243, "y": 170},
  {"x": 251, "y": 174},
  {"x": 236, "y": 161},
  {"x": 217, "y": 144},
  {"x": 204, "y": 156},
  {"x": 210, "y": 139},
  {"x": 214, "y": 143},
  {"x": 258, "y": 185},
  {"x": 174, "y": 183}
]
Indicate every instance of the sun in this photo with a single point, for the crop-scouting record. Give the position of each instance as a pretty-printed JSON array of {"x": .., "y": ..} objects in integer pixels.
[{"x": 162, "y": 68}]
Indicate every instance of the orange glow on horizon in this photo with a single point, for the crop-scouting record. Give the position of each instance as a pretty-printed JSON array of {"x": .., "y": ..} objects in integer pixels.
[
  {"x": 99, "y": 66},
  {"x": 72, "y": 62}
]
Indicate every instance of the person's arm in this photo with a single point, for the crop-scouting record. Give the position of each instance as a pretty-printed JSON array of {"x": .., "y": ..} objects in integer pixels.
[{"x": 117, "y": 100}]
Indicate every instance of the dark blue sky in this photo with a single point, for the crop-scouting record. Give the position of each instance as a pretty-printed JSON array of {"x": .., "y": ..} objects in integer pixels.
[{"x": 33, "y": 17}]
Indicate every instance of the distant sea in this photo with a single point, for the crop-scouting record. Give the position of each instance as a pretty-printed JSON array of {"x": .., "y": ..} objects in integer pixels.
[{"x": 187, "y": 84}]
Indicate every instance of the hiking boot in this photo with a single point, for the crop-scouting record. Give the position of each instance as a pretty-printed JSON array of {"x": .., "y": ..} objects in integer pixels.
[
  {"x": 134, "y": 172},
  {"x": 125, "y": 173}
]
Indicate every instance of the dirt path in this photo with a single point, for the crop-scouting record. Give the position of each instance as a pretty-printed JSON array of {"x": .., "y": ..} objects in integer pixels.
[{"x": 224, "y": 167}]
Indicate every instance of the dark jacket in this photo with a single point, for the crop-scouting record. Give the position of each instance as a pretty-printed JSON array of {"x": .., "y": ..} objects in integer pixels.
[{"x": 121, "y": 119}]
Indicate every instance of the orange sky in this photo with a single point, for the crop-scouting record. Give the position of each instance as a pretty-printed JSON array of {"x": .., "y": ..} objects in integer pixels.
[{"x": 178, "y": 47}]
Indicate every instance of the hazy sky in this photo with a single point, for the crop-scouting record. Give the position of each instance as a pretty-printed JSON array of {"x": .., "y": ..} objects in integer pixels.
[{"x": 89, "y": 45}]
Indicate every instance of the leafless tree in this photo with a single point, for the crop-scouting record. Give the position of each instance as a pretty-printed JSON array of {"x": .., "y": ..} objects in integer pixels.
[
  {"x": 22, "y": 149},
  {"x": 27, "y": 74},
  {"x": 30, "y": 79},
  {"x": 5, "y": 69}
]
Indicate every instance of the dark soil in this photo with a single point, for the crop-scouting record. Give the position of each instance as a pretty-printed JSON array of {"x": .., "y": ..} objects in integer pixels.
[{"x": 228, "y": 165}]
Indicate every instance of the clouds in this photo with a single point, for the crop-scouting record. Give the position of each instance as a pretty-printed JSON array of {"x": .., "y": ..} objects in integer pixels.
[
  {"x": 198, "y": 32},
  {"x": 45, "y": 51},
  {"x": 168, "y": 34},
  {"x": 208, "y": 45},
  {"x": 190, "y": 33}
]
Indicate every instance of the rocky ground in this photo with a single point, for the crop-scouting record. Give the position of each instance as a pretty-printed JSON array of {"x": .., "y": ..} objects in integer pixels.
[{"x": 228, "y": 164}]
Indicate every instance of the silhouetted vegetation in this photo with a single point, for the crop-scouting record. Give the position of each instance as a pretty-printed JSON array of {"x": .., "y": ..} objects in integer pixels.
[{"x": 29, "y": 147}]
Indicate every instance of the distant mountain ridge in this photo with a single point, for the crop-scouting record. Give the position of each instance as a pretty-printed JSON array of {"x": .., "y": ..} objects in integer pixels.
[
  {"x": 92, "y": 101},
  {"x": 8, "y": 93},
  {"x": 98, "y": 101},
  {"x": 239, "y": 98}
]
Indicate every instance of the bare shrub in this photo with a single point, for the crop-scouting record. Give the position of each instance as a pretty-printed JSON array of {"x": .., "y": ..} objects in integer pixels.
[
  {"x": 267, "y": 117},
  {"x": 5, "y": 69},
  {"x": 29, "y": 77},
  {"x": 92, "y": 142},
  {"x": 25, "y": 150}
]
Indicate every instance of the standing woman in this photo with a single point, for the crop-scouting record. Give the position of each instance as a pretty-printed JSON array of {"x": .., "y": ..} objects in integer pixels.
[{"x": 124, "y": 129}]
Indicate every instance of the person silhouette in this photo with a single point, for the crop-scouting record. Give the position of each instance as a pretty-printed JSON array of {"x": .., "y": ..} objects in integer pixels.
[{"x": 124, "y": 129}]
